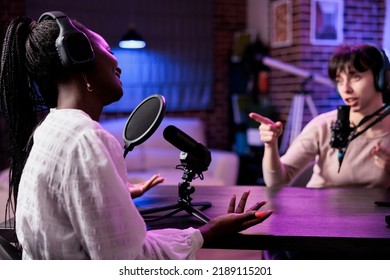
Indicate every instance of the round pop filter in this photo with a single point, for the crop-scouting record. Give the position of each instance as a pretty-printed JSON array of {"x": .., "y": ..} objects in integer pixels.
[{"x": 143, "y": 121}]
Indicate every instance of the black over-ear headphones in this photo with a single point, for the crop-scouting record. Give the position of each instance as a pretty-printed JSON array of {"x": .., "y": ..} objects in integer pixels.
[
  {"x": 382, "y": 80},
  {"x": 73, "y": 46}
]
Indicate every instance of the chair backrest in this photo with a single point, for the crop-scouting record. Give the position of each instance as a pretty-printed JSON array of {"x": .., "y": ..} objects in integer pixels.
[{"x": 8, "y": 251}]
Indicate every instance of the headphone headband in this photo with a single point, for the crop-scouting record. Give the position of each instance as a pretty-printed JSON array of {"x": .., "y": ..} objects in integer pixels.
[
  {"x": 73, "y": 46},
  {"x": 52, "y": 15}
]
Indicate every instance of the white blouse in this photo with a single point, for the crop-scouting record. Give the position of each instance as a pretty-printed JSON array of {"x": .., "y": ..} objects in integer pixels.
[{"x": 73, "y": 201}]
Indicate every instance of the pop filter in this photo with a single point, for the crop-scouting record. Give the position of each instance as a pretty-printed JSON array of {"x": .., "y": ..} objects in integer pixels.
[{"x": 143, "y": 121}]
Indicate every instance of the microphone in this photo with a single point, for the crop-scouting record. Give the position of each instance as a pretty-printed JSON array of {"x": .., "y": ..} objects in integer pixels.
[
  {"x": 198, "y": 156},
  {"x": 180, "y": 139},
  {"x": 340, "y": 132}
]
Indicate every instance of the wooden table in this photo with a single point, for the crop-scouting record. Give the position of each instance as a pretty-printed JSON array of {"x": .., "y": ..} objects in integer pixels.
[
  {"x": 304, "y": 219},
  {"x": 332, "y": 220}
]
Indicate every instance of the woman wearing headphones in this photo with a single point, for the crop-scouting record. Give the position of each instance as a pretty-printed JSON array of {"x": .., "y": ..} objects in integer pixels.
[
  {"x": 68, "y": 175},
  {"x": 360, "y": 75}
]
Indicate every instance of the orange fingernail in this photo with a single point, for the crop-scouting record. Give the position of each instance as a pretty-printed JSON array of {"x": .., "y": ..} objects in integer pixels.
[{"x": 260, "y": 215}]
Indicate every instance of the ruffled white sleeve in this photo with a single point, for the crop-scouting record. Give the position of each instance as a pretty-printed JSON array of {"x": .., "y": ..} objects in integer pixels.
[{"x": 172, "y": 244}]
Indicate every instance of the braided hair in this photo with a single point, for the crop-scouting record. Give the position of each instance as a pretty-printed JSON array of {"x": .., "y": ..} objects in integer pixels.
[{"x": 29, "y": 71}]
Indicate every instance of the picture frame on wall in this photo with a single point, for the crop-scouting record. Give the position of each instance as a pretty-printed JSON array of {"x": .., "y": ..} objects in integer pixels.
[
  {"x": 326, "y": 22},
  {"x": 281, "y": 27}
]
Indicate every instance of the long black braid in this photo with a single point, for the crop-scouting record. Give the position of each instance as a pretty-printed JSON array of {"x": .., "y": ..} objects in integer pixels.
[{"x": 29, "y": 61}]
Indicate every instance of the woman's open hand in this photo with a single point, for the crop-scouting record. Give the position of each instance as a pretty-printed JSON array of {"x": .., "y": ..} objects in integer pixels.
[
  {"x": 235, "y": 220},
  {"x": 139, "y": 189},
  {"x": 381, "y": 157}
]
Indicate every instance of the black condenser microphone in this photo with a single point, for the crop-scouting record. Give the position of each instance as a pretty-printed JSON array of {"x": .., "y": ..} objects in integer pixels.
[
  {"x": 180, "y": 139},
  {"x": 340, "y": 132},
  {"x": 198, "y": 154}
]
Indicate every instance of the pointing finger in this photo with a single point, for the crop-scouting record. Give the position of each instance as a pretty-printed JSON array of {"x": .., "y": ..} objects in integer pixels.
[{"x": 260, "y": 119}]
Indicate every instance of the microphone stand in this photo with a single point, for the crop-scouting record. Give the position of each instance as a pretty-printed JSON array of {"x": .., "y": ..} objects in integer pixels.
[
  {"x": 184, "y": 203},
  {"x": 295, "y": 116},
  {"x": 380, "y": 114}
]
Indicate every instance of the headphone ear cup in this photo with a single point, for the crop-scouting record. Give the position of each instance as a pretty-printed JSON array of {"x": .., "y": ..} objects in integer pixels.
[
  {"x": 382, "y": 82},
  {"x": 73, "y": 46},
  {"x": 381, "y": 79},
  {"x": 75, "y": 50}
]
